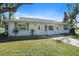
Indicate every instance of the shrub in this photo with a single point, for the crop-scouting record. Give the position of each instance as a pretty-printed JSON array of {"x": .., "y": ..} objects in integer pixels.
[
  {"x": 15, "y": 30},
  {"x": 72, "y": 31},
  {"x": 58, "y": 41},
  {"x": 32, "y": 32},
  {"x": 2, "y": 34}
]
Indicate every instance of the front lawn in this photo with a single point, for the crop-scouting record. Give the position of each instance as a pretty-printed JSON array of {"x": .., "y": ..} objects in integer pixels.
[
  {"x": 75, "y": 36},
  {"x": 77, "y": 31},
  {"x": 41, "y": 47}
]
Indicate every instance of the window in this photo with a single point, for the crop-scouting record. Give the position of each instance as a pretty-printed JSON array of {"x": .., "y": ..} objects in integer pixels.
[
  {"x": 21, "y": 26},
  {"x": 50, "y": 28},
  {"x": 27, "y": 26},
  {"x": 45, "y": 27},
  {"x": 38, "y": 27}
]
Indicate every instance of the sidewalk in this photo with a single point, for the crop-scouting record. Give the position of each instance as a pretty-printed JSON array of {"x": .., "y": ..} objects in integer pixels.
[{"x": 69, "y": 41}]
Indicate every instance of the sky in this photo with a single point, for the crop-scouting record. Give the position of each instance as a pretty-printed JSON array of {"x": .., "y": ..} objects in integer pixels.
[{"x": 52, "y": 11}]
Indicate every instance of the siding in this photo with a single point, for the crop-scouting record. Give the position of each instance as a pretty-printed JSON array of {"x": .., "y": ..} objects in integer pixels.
[{"x": 36, "y": 30}]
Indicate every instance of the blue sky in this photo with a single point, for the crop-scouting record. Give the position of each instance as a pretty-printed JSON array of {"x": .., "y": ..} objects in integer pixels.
[{"x": 53, "y": 11}]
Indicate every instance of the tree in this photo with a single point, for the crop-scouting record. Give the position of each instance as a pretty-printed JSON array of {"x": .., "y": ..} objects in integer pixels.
[
  {"x": 65, "y": 17},
  {"x": 11, "y": 8},
  {"x": 72, "y": 12}
]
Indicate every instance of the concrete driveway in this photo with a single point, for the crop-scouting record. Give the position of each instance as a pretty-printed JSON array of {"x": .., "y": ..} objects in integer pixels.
[{"x": 68, "y": 40}]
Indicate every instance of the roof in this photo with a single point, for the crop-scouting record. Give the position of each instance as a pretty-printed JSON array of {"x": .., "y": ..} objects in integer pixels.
[{"x": 22, "y": 19}]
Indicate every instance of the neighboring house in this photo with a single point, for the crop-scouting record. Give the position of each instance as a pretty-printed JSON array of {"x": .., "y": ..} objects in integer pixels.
[{"x": 39, "y": 26}]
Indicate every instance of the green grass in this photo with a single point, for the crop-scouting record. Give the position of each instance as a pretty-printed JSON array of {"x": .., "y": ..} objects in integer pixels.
[
  {"x": 41, "y": 47},
  {"x": 75, "y": 36},
  {"x": 77, "y": 31}
]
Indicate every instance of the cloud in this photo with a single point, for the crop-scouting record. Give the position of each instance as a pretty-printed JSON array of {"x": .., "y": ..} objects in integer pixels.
[{"x": 50, "y": 16}]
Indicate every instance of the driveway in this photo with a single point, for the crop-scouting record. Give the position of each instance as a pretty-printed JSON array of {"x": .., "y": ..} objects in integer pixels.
[{"x": 68, "y": 40}]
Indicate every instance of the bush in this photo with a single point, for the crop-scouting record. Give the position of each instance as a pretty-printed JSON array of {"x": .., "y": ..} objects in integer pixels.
[
  {"x": 32, "y": 32},
  {"x": 72, "y": 31},
  {"x": 66, "y": 34},
  {"x": 58, "y": 41},
  {"x": 2, "y": 34},
  {"x": 15, "y": 31}
]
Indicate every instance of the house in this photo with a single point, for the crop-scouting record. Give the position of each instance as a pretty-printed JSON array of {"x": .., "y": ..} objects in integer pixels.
[{"x": 34, "y": 26}]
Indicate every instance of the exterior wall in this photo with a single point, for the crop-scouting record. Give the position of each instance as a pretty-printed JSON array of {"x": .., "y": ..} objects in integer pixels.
[
  {"x": 33, "y": 25},
  {"x": 60, "y": 29},
  {"x": 10, "y": 29},
  {"x": 20, "y": 33}
]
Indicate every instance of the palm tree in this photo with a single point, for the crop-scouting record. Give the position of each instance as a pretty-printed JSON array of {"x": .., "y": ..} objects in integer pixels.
[
  {"x": 73, "y": 11},
  {"x": 14, "y": 7},
  {"x": 65, "y": 17},
  {"x": 11, "y": 8}
]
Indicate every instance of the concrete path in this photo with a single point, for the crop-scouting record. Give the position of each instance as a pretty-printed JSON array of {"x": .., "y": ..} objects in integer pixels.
[{"x": 68, "y": 40}]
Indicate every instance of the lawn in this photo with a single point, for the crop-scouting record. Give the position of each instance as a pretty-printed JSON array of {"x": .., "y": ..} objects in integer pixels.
[
  {"x": 41, "y": 47},
  {"x": 75, "y": 36},
  {"x": 77, "y": 31}
]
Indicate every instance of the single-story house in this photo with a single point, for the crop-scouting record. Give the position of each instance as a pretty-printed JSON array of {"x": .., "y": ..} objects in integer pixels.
[{"x": 34, "y": 26}]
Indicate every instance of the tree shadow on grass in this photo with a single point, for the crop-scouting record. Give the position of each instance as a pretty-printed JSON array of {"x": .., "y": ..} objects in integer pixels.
[
  {"x": 21, "y": 38},
  {"x": 76, "y": 37}
]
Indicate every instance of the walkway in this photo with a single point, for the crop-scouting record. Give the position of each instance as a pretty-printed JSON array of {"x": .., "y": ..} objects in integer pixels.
[{"x": 68, "y": 40}]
